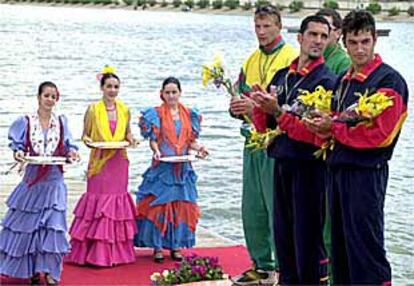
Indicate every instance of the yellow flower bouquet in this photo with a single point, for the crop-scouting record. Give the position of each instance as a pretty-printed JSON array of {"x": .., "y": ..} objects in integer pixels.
[
  {"x": 260, "y": 141},
  {"x": 370, "y": 106},
  {"x": 365, "y": 110},
  {"x": 214, "y": 72},
  {"x": 318, "y": 100}
]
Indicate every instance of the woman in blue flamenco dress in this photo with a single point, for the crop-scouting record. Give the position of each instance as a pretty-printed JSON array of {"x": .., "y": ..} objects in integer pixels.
[
  {"x": 33, "y": 235},
  {"x": 166, "y": 199}
]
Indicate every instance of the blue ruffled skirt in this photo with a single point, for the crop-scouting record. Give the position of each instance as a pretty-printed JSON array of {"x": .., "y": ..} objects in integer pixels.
[
  {"x": 166, "y": 206},
  {"x": 33, "y": 237}
]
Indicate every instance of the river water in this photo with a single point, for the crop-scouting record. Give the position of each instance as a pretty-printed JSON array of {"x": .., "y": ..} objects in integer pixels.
[{"x": 70, "y": 45}]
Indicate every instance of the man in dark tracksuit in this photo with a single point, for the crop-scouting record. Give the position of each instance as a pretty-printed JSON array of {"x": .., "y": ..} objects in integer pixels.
[
  {"x": 358, "y": 165},
  {"x": 299, "y": 176}
]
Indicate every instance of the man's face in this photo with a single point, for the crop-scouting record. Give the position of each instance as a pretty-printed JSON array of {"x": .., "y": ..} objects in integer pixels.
[
  {"x": 335, "y": 33},
  {"x": 314, "y": 40},
  {"x": 267, "y": 28},
  {"x": 360, "y": 47}
]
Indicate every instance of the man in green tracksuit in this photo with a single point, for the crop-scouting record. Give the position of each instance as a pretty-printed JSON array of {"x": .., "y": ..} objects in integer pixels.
[
  {"x": 335, "y": 56},
  {"x": 272, "y": 55},
  {"x": 337, "y": 60}
]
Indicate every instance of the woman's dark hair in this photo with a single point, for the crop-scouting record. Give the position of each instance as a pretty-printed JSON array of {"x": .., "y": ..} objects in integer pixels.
[
  {"x": 313, "y": 19},
  {"x": 356, "y": 21},
  {"x": 46, "y": 84},
  {"x": 105, "y": 76},
  {"x": 173, "y": 80}
]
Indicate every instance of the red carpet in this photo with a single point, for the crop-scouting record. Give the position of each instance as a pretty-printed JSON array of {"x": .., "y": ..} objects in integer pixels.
[{"x": 234, "y": 260}]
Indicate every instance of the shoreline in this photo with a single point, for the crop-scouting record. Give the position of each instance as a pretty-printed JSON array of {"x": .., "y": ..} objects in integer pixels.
[{"x": 382, "y": 17}]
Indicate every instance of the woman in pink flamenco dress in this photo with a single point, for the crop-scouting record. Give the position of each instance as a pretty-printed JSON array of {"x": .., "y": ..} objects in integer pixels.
[{"x": 104, "y": 226}]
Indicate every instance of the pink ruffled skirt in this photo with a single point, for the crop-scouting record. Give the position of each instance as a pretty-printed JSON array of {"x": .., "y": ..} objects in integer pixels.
[{"x": 104, "y": 226}]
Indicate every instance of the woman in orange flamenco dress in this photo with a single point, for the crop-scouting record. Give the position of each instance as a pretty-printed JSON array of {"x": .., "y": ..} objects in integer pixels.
[{"x": 166, "y": 199}]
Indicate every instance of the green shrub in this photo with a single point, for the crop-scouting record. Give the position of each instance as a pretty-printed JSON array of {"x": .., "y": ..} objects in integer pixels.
[
  {"x": 232, "y": 4},
  {"x": 189, "y": 3},
  {"x": 374, "y": 8},
  {"x": 262, "y": 3},
  {"x": 152, "y": 3},
  {"x": 394, "y": 11},
  {"x": 106, "y": 2},
  {"x": 164, "y": 3},
  {"x": 217, "y": 4},
  {"x": 176, "y": 3},
  {"x": 295, "y": 6},
  {"x": 410, "y": 11},
  {"x": 202, "y": 4},
  {"x": 280, "y": 7},
  {"x": 128, "y": 2},
  {"x": 247, "y": 5},
  {"x": 140, "y": 2},
  {"x": 331, "y": 4}
]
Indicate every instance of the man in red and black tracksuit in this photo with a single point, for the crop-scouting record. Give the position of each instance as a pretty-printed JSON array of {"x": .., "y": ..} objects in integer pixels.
[
  {"x": 299, "y": 186},
  {"x": 358, "y": 165}
]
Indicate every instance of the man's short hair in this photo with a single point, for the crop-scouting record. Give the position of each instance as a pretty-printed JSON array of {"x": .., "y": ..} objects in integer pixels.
[
  {"x": 329, "y": 12},
  {"x": 356, "y": 21},
  {"x": 266, "y": 10},
  {"x": 313, "y": 18}
]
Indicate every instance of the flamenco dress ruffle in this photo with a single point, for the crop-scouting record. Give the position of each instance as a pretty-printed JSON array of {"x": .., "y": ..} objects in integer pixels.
[
  {"x": 33, "y": 235},
  {"x": 104, "y": 226}
]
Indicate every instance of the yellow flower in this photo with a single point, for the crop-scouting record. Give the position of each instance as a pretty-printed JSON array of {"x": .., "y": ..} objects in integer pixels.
[
  {"x": 323, "y": 151},
  {"x": 319, "y": 99},
  {"x": 212, "y": 71},
  {"x": 217, "y": 61},
  {"x": 108, "y": 69},
  {"x": 370, "y": 106},
  {"x": 260, "y": 141},
  {"x": 206, "y": 75}
]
